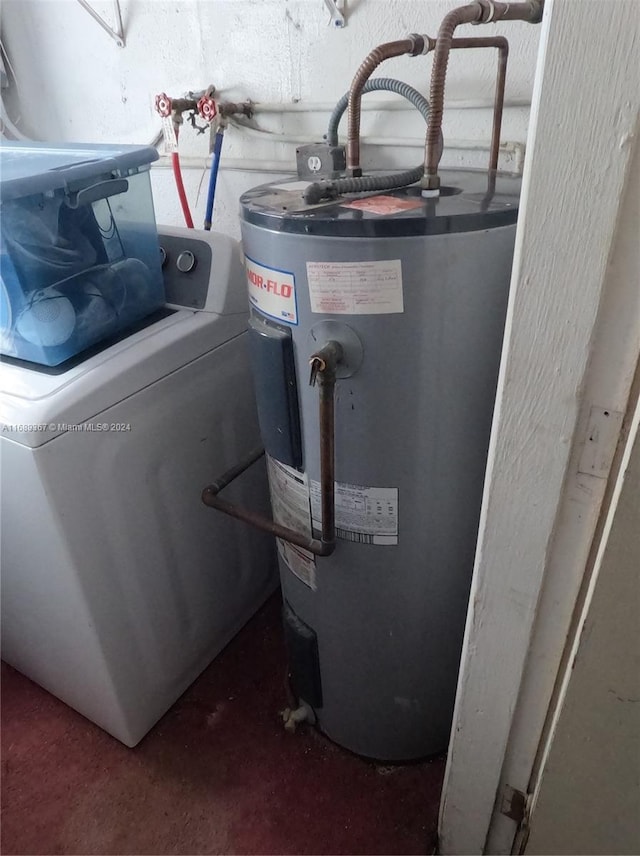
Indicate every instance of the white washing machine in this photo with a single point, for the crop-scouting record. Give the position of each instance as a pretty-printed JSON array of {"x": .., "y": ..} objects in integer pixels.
[{"x": 118, "y": 585}]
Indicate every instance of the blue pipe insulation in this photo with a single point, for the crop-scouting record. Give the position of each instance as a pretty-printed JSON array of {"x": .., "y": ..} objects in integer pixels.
[{"x": 213, "y": 178}]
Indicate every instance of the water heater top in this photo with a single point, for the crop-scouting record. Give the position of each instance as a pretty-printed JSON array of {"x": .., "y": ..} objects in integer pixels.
[{"x": 466, "y": 204}]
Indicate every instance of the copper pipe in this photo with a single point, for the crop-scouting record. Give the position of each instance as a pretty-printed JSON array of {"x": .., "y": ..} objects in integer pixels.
[
  {"x": 233, "y": 472},
  {"x": 329, "y": 356},
  {"x": 478, "y": 12},
  {"x": 323, "y": 364},
  {"x": 182, "y": 105},
  {"x": 462, "y": 15},
  {"x": 502, "y": 45},
  {"x": 428, "y": 44},
  {"x": 230, "y": 108},
  {"x": 211, "y": 498},
  {"x": 492, "y": 12},
  {"x": 412, "y": 45}
]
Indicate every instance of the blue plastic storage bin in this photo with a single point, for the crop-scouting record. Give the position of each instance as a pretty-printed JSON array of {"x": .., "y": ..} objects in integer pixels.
[{"x": 79, "y": 252}]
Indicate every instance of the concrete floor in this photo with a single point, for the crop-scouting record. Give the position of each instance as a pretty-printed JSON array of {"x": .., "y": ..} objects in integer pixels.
[{"x": 218, "y": 774}]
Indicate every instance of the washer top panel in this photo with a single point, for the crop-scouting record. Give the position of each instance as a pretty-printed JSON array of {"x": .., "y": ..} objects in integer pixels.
[
  {"x": 36, "y": 406},
  {"x": 467, "y": 203}
]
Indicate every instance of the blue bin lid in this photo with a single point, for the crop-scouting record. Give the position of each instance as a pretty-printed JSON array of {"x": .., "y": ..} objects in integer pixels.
[{"x": 30, "y": 168}]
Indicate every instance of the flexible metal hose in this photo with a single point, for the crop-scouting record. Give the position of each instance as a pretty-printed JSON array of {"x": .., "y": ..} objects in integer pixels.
[
  {"x": 331, "y": 189},
  {"x": 462, "y": 15},
  {"x": 478, "y": 12},
  {"x": 320, "y": 190},
  {"x": 412, "y": 45},
  {"x": 377, "y": 84}
]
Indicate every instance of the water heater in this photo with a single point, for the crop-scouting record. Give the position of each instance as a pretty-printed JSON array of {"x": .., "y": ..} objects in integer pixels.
[
  {"x": 378, "y": 304},
  {"x": 406, "y": 296}
]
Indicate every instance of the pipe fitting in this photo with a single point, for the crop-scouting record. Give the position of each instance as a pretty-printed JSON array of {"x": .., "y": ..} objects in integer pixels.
[
  {"x": 487, "y": 14},
  {"x": 537, "y": 11},
  {"x": 430, "y": 182},
  {"x": 353, "y": 157},
  {"x": 418, "y": 44},
  {"x": 424, "y": 44},
  {"x": 493, "y": 11},
  {"x": 291, "y": 718},
  {"x": 326, "y": 359},
  {"x": 323, "y": 364}
]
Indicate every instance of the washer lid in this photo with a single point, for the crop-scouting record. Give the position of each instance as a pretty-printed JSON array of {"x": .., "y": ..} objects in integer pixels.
[
  {"x": 468, "y": 202},
  {"x": 29, "y": 168},
  {"x": 35, "y": 406}
]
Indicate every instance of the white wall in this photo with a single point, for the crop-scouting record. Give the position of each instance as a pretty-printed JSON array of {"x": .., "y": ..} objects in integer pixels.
[{"x": 75, "y": 83}]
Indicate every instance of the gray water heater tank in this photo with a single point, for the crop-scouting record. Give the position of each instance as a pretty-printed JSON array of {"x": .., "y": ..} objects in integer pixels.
[{"x": 415, "y": 290}]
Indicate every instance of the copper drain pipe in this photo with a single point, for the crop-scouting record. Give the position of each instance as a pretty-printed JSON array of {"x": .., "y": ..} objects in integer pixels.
[
  {"x": 412, "y": 45},
  {"x": 323, "y": 370},
  {"x": 478, "y": 12}
]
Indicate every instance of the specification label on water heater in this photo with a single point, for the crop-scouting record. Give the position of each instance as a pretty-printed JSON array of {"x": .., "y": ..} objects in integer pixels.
[
  {"x": 366, "y": 515},
  {"x": 291, "y": 507},
  {"x": 356, "y": 288}
]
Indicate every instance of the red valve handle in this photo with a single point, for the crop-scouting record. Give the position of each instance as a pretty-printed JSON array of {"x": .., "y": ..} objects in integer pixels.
[
  {"x": 207, "y": 108},
  {"x": 163, "y": 105}
]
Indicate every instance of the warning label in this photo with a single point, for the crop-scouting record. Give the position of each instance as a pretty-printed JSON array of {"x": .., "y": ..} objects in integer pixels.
[
  {"x": 366, "y": 515},
  {"x": 291, "y": 508},
  {"x": 356, "y": 288},
  {"x": 272, "y": 291},
  {"x": 384, "y": 204}
]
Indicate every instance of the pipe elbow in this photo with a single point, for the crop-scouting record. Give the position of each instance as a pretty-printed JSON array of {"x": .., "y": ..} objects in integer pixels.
[
  {"x": 492, "y": 10},
  {"x": 536, "y": 11},
  {"x": 208, "y": 494},
  {"x": 326, "y": 548},
  {"x": 472, "y": 13}
]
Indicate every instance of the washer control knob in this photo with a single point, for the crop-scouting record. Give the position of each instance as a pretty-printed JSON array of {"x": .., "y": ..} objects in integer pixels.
[
  {"x": 186, "y": 261},
  {"x": 163, "y": 256}
]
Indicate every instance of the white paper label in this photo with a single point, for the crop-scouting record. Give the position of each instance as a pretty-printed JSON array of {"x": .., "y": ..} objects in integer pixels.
[
  {"x": 291, "y": 507},
  {"x": 356, "y": 288},
  {"x": 366, "y": 515},
  {"x": 272, "y": 291},
  {"x": 169, "y": 133}
]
